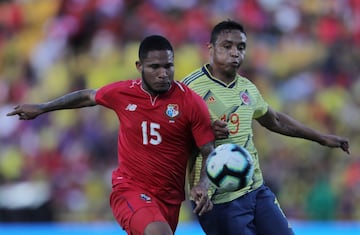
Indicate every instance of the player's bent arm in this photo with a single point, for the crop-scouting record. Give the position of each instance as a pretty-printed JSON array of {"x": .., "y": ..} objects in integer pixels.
[
  {"x": 73, "y": 100},
  {"x": 286, "y": 125},
  {"x": 199, "y": 192},
  {"x": 205, "y": 150}
]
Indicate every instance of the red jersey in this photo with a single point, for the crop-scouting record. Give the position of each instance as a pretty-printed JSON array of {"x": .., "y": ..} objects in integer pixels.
[{"x": 157, "y": 135}]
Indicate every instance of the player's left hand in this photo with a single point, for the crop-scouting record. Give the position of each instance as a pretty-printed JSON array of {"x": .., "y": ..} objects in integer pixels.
[
  {"x": 336, "y": 142},
  {"x": 220, "y": 129},
  {"x": 200, "y": 195}
]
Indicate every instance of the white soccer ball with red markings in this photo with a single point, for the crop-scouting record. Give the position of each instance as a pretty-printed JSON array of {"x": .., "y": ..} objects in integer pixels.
[{"x": 230, "y": 167}]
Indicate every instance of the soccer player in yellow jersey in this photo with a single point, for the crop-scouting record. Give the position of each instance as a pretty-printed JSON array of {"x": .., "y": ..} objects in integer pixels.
[{"x": 234, "y": 102}]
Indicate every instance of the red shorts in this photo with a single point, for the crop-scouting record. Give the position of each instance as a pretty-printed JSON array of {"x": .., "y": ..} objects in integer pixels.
[{"x": 134, "y": 209}]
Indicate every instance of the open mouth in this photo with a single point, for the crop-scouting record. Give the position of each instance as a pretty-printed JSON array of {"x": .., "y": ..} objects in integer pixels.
[{"x": 235, "y": 63}]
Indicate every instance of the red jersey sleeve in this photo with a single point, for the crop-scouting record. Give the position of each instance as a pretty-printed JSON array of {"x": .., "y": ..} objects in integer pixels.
[
  {"x": 202, "y": 129},
  {"x": 104, "y": 95}
]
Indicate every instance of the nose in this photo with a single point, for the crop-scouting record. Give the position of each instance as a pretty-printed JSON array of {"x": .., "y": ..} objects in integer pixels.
[
  {"x": 163, "y": 72},
  {"x": 235, "y": 52}
]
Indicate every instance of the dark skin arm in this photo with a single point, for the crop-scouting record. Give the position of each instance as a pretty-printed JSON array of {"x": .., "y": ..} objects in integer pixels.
[
  {"x": 220, "y": 130},
  {"x": 200, "y": 191},
  {"x": 286, "y": 125},
  {"x": 73, "y": 100}
]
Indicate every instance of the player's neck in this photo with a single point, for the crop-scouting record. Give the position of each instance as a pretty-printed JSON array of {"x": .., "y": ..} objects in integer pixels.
[
  {"x": 154, "y": 93},
  {"x": 222, "y": 76}
]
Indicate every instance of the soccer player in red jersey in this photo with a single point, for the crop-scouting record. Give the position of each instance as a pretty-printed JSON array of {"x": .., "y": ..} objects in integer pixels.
[{"x": 161, "y": 124}]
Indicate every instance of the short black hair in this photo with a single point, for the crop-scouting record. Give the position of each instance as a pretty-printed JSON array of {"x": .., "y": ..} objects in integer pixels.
[
  {"x": 225, "y": 25},
  {"x": 153, "y": 43}
]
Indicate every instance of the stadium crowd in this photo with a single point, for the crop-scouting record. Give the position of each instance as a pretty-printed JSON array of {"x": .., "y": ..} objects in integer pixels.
[{"x": 303, "y": 55}]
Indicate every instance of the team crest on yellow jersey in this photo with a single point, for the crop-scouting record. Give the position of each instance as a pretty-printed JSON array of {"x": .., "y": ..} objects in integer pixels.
[
  {"x": 245, "y": 98},
  {"x": 172, "y": 110},
  {"x": 211, "y": 100}
]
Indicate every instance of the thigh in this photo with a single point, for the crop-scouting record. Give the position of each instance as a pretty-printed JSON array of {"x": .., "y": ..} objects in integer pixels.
[
  {"x": 209, "y": 221},
  {"x": 269, "y": 218},
  {"x": 171, "y": 213},
  {"x": 231, "y": 218},
  {"x": 134, "y": 210}
]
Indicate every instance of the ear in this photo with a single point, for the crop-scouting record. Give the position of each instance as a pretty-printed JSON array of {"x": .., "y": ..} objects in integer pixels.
[
  {"x": 210, "y": 46},
  {"x": 138, "y": 66}
]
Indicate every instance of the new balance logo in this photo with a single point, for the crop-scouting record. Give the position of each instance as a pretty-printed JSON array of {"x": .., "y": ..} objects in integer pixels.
[{"x": 131, "y": 107}]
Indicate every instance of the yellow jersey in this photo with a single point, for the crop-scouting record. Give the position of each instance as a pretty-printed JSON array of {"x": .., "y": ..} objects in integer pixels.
[{"x": 237, "y": 103}]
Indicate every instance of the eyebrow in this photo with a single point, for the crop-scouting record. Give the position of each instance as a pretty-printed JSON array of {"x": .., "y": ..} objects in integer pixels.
[{"x": 233, "y": 42}]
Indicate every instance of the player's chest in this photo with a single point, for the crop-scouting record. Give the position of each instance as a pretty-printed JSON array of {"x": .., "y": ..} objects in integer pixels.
[
  {"x": 229, "y": 101},
  {"x": 153, "y": 124},
  {"x": 163, "y": 112}
]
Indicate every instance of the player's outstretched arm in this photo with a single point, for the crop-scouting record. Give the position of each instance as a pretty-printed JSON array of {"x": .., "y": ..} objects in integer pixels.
[
  {"x": 73, "y": 100},
  {"x": 286, "y": 125},
  {"x": 200, "y": 191}
]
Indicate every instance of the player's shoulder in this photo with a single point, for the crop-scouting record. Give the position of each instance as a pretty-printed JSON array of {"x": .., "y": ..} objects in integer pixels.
[
  {"x": 122, "y": 84},
  {"x": 129, "y": 83},
  {"x": 245, "y": 82},
  {"x": 187, "y": 94},
  {"x": 182, "y": 87},
  {"x": 195, "y": 77},
  {"x": 117, "y": 87},
  {"x": 243, "y": 79}
]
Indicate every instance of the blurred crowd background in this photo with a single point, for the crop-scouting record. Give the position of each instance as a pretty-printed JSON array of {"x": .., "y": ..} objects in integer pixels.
[{"x": 303, "y": 54}]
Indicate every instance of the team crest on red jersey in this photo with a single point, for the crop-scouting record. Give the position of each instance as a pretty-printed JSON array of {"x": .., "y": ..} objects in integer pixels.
[
  {"x": 245, "y": 98},
  {"x": 172, "y": 110}
]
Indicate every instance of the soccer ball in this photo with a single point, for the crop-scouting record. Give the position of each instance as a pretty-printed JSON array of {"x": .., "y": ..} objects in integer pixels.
[{"x": 230, "y": 167}]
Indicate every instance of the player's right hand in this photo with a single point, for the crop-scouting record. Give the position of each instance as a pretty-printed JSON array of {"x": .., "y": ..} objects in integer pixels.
[
  {"x": 199, "y": 193},
  {"x": 220, "y": 129},
  {"x": 26, "y": 111},
  {"x": 203, "y": 205}
]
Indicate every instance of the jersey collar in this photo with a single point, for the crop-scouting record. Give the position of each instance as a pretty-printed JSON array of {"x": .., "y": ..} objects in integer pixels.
[{"x": 214, "y": 79}]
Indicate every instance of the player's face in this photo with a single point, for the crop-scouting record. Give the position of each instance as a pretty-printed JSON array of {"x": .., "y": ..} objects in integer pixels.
[
  {"x": 157, "y": 71},
  {"x": 228, "y": 53}
]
